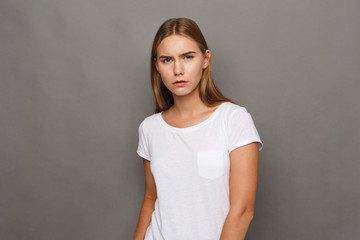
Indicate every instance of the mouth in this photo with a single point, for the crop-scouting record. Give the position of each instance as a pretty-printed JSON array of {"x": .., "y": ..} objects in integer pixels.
[{"x": 180, "y": 83}]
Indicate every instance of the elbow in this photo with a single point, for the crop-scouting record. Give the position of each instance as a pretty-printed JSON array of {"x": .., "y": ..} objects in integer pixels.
[
  {"x": 249, "y": 215},
  {"x": 243, "y": 214}
]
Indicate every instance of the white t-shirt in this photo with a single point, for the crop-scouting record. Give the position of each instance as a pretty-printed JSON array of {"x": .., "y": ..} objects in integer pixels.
[{"x": 191, "y": 171}]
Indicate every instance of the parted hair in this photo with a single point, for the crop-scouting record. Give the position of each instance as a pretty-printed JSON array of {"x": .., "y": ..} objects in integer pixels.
[{"x": 208, "y": 91}]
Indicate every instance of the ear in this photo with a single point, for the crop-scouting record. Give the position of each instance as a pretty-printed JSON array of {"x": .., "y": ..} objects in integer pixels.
[
  {"x": 207, "y": 58},
  {"x": 156, "y": 64}
]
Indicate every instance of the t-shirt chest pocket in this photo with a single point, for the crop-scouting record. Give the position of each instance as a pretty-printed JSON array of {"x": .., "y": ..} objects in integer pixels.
[{"x": 210, "y": 164}]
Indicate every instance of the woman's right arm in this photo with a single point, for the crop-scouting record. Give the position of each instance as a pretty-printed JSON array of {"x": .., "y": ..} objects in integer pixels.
[{"x": 148, "y": 204}]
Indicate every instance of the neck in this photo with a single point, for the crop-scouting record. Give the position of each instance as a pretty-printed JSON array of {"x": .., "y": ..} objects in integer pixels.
[{"x": 189, "y": 104}]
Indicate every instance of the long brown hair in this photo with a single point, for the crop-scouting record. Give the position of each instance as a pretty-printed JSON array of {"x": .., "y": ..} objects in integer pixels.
[{"x": 209, "y": 93}]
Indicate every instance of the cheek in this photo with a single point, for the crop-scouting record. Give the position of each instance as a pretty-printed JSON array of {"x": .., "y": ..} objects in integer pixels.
[
  {"x": 163, "y": 70},
  {"x": 195, "y": 69},
  {"x": 165, "y": 73}
]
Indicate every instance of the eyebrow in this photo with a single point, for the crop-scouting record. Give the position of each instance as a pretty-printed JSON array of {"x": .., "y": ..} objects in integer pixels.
[{"x": 183, "y": 54}]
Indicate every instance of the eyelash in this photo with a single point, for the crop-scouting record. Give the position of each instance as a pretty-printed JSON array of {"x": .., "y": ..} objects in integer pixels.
[{"x": 164, "y": 61}]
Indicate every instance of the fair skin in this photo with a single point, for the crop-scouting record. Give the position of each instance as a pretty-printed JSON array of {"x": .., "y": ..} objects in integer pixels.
[{"x": 180, "y": 58}]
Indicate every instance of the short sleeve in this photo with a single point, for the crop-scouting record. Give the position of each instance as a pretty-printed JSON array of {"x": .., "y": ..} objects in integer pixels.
[
  {"x": 241, "y": 130},
  {"x": 143, "y": 147}
]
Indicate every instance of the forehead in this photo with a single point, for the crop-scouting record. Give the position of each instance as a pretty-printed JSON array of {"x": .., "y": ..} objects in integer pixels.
[{"x": 177, "y": 44}]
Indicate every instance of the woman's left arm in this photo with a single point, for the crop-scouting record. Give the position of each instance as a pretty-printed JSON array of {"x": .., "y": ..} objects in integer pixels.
[{"x": 244, "y": 162}]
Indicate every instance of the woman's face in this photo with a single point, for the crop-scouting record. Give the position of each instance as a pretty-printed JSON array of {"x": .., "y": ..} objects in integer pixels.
[{"x": 180, "y": 59}]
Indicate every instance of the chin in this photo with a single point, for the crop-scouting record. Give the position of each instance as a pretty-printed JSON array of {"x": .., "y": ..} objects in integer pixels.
[{"x": 182, "y": 93}]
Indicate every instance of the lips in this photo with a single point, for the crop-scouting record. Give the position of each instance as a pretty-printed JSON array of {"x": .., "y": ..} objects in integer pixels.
[{"x": 180, "y": 81}]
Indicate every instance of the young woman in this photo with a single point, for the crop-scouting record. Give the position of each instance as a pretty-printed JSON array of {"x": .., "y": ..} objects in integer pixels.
[{"x": 200, "y": 150}]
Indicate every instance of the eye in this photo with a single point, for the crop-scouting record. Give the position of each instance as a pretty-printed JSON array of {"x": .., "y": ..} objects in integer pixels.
[
  {"x": 166, "y": 60},
  {"x": 188, "y": 57}
]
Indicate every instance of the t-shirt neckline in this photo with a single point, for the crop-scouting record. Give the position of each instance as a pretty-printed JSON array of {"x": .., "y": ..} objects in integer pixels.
[{"x": 193, "y": 127}]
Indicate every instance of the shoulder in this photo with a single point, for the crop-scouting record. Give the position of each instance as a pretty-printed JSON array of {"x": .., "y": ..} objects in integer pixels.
[
  {"x": 236, "y": 116},
  {"x": 231, "y": 109},
  {"x": 148, "y": 122}
]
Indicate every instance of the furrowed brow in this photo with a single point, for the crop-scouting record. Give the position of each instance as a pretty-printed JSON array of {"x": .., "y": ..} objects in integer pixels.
[
  {"x": 183, "y": 54},
  {"x": 187, "y": 53}
]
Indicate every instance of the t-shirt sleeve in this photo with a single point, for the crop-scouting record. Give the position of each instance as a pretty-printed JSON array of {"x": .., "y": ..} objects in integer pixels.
[
  {"x": 241, "y": 130},
  {"x": 143, "y": 147}
]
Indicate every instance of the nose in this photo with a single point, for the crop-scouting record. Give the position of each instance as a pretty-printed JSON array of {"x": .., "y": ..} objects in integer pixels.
[{"x": 178, "y": 68}]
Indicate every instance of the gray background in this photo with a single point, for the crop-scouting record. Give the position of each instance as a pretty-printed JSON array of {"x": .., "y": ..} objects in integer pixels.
[{"x": 75, "y": 86}]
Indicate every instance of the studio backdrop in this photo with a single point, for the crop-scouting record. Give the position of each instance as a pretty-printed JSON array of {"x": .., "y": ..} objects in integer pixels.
[{"x": 74, "y": 87}]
